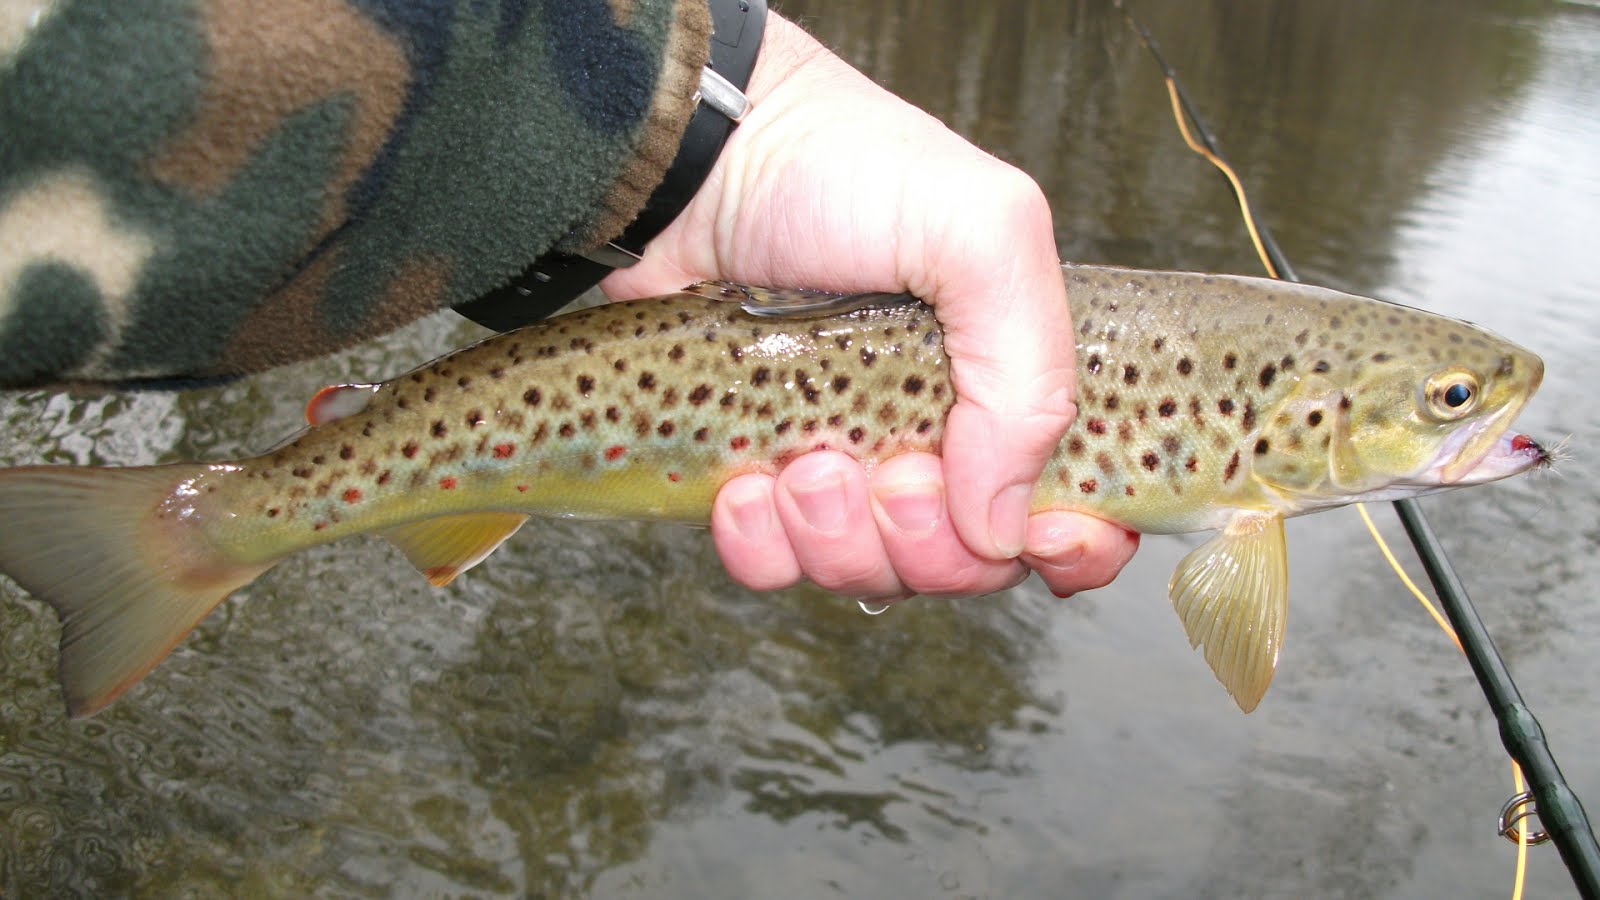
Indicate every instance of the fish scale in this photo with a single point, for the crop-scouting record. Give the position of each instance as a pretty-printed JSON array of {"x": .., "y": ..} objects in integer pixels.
[{"x": 1205, "y": 402}]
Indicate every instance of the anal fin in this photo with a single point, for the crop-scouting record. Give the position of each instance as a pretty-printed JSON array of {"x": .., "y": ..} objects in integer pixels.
[
  {"x": 444, "y": 547},
  {"x": 1232, "y": 593}
]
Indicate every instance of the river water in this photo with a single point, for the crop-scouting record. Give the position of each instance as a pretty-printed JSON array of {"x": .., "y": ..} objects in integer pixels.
[{"x": 598, "y": 712}]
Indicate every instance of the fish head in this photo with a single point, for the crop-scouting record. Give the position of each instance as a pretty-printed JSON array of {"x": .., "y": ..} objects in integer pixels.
[
  {"x": 1434, "y": 413},
  {"x": 1430, "y": 409}
]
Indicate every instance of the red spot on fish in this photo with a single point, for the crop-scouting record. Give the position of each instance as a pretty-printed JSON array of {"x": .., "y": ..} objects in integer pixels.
[
  {"x": 448, "y": 483},
  {"x": 272, "y": 513},
  {"x": 616, "y": 452},
  {"x": 739, "y": 443},
  {"x": 674, "y": 477},
  {"x": 319, "y": 526},
  {"x": 409, "y": 451},
  {"x": 523, "y": 488},
  {"x": 351, "y": 495},
  {"x": 1097, "y": 426},
  {"x": 501, "y": 451}
]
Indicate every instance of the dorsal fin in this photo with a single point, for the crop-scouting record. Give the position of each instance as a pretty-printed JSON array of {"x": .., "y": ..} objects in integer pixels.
[
  {"x": 444, "y": 547},
  {"x": 793, "y": 303},
  {"x": 336, "y": 401}
]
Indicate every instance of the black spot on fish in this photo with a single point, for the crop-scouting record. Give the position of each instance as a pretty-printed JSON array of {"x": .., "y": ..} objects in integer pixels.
[
  {"x": 474, "y": 418},
  {"x": 1167, "y": 408},
  {"x": 1230, "y": 361},
  {"x": 676, "y": 353},
  {"x": 439, "y": 430},
  {"x": 841, "y": 383},
  {"x": 868, "y": 357},
  {"x": 620, "y": 365},
  {"x": 1150, "y": 461},
  {"x": 1075, "y": 445},
  {"x": 566, "y": 430},
  {"x": 1381, "y": 357},
  {"x": 1225, "y": 406},
  {"x": 1344, "y": 401},
  {"x": 1130, "y": 374},
  {"x": 700, "y": 434},
  {"x": 318, "y": 460},
  {"x": 912, "y": 385},
  {"x": 301, "y": 472},
  {"x": 783, "y": 426},
  {"x": 1096, "y": 426},
  {"x": 464, "y": 381},
  {"x": 666, "y": 428},
  {"x": 1268, "y": 373},
  {"x": 496, "y": 373},
  {"x": 856, "y": 434},
  {"x": 1261, "y": 447},
  {"x": 585, "y": 385},
  {"x": 1111, "y": 402},
  {"x": 1094, "y": 364},
  {"x": 532, "y": 396},
  {"x": 760, "y": 376},
  {"x": 647, "y": 381},
  {"x": 1314, "y": 418},
  {"x": 1089, "y": 486},
  {"x": 1158, "y": 343},
  {"x": 346, "y": 451},
  {"x": 1233, "y": 467},
  {"x": 700, "y": 394},
  {"x": 1248, "y": 420},
  {"x": 1185, "y": 366},
  {"x": 924, "y": 426},
  {"x": 429, "y": 393},
  {"x": 1321, "y": 366}
]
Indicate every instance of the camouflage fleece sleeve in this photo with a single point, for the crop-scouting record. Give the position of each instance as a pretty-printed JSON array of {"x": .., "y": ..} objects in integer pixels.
[{"x": 194, "y": 189}]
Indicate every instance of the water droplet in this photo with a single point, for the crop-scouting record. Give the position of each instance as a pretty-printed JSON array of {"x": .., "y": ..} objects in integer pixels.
[{"x": 872, "y": 609}]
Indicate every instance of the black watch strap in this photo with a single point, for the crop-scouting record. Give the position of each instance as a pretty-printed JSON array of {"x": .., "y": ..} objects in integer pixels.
[{"x": 556, "y": 279}]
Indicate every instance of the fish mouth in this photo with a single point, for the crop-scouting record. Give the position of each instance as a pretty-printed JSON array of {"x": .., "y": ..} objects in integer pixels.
[{"x": 1488, "y": 451}]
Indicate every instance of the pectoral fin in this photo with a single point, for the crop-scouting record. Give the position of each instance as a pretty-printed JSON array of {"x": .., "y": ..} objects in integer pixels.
[
  {"x": 1232, "y": 594},
  {"x": 445, "y": 547}
]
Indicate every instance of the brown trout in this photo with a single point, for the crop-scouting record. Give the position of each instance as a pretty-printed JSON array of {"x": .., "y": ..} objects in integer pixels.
[{"x": 1206, "y": 402}]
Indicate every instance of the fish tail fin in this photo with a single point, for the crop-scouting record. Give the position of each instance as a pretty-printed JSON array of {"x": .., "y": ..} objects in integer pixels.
[{"x": 126, "y": 581}]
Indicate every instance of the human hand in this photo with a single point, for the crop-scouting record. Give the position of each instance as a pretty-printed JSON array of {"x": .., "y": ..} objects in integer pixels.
[{"x": 833, "y": 183}]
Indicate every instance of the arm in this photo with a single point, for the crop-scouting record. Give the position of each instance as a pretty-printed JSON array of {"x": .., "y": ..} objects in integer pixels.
[{"x": 228, "y": 187}]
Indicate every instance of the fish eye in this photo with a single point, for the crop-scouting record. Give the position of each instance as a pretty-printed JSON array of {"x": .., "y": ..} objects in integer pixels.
[{"x": 1451, "y": 394}]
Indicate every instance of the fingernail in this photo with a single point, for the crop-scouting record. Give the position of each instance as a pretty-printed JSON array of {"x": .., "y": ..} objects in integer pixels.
[
  {"x": 1008, "y": 519},
  {"x": 752, "y": 515},
  {"x": 1059, "y": 546},
  {"x": 821, "y": 502},
  {"x": 913, "y": 509}
]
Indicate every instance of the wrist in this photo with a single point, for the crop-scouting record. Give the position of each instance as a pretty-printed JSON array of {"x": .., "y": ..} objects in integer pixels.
[{"x": 560, "y": 275}]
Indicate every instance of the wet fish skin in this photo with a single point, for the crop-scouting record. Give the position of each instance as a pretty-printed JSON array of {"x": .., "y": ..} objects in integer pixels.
[{"x": 1206, "y": 402}]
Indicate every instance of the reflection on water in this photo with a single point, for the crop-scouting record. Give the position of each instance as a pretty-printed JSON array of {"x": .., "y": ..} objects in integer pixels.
[{"x": 597, "y": 711}]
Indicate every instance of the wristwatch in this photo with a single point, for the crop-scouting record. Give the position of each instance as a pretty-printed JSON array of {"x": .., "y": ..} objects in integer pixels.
[{"x": 555, "y": 279}]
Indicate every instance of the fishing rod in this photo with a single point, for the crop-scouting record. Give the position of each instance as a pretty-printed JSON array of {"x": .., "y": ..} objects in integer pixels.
[{"x": 1558, "y": 808}]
